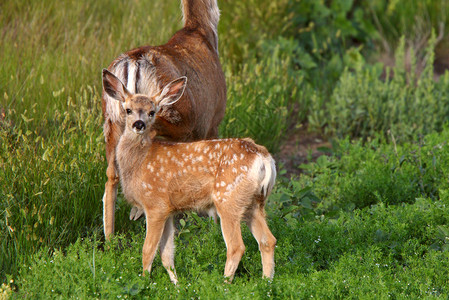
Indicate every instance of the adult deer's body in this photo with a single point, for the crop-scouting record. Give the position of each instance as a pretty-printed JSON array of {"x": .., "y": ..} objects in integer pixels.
[
  {"x": 191, "y": 52},
  {"x": 234, "y": 175}
]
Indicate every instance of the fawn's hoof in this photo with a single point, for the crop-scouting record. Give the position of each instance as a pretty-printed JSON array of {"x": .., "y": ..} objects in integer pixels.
[{"x": 135, "y": 213}]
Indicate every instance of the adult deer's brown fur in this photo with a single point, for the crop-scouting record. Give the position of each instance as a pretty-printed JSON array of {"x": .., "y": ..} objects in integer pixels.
[
  {"x": 235, "y": 176},
  {"x": 192, "y": 52}
]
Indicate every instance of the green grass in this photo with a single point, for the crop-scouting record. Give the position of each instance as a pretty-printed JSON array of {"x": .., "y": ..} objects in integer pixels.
[
  {"x": 381, "y": 251},
  {"x": 56, "y": 48},
  {"x": 370, "y": 220}
]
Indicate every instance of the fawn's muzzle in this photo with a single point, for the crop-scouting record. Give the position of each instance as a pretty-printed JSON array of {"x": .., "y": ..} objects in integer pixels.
[{"x": 139, "y": 125}]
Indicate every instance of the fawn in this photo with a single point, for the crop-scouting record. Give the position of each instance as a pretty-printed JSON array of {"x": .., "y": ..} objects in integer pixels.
[
  {"x": 235, "y": 176},
  {"x": 192, "y": 52}
]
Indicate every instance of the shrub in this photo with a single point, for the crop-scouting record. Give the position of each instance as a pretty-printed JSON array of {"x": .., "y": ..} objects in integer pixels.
[
  {"x": 262, "y": 94},
  {"x": 363, "y": 103},
  {"x": 359, "y": 175}
]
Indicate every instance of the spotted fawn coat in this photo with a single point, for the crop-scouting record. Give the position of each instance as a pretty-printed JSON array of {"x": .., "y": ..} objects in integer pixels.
[{"x": 233, "y": 176}]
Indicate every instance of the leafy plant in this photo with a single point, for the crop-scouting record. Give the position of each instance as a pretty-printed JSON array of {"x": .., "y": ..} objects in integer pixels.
[
  {"x": 258, "y": 105},
  {"x": 363, "y": 103}
]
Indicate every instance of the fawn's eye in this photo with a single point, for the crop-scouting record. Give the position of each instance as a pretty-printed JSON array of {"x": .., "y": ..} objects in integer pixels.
[
  {"x": 128, "y": 111},
  {"x": 151, "y": 113}
]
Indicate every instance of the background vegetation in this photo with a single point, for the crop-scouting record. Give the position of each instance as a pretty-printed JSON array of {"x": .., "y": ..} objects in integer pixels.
[{"x": 369, "y": 219}]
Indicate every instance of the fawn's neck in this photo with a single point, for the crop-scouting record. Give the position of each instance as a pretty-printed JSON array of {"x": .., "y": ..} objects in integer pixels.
[{"x": 132, "y": 150}]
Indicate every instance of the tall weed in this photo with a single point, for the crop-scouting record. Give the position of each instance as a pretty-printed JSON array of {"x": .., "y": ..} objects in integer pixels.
[{"x": 51, "y": 179}]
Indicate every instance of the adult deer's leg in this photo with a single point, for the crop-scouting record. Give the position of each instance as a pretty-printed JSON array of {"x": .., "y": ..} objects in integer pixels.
[
  {"x": 267, "y": 242},
  {"x": 167, "y": 249},
  {"x": 112, "y": 134}
]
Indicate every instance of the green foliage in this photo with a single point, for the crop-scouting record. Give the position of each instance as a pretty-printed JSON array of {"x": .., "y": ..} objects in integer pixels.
[
  {"x": 326, "y": 33},
  {"x": 258, "y": 105},
  {"x": 245, "y": 24},
  {"x": 415, "y": 20},
  {"x": 363, "y": 103},
  {"x": 381, "y": 251},
  {"x": 358, "y": 175}
]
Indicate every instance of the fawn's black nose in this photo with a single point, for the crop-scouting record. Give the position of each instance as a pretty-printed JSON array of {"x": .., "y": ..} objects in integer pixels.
[{"x": 139, "y": 125}]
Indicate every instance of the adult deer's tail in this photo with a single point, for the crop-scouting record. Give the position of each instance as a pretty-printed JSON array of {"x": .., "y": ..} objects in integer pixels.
[{"x": 202, "y": 14}]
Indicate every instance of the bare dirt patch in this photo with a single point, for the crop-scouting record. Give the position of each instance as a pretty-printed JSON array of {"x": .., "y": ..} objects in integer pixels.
[{"x": 301, "y": 147}]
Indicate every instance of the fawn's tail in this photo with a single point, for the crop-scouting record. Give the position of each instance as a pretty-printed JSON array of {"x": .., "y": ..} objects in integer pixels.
[{"x": 270, "y": 175}]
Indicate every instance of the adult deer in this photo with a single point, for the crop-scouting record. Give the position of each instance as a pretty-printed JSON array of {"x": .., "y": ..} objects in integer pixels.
[
  {"x": 192, "y": 52},
  {"x": 233, "y": 175}
]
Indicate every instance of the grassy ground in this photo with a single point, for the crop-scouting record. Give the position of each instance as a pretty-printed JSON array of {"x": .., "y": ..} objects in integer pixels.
[{"x": 367, "y": 221}]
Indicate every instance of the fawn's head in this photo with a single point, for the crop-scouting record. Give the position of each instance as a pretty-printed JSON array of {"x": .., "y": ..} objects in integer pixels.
[{"x": 141, "y": 109}]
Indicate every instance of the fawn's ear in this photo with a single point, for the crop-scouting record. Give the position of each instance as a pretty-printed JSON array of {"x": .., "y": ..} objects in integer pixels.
[
  {"x": 113, "y": 87},
  {"x": 173, "y": 91}
]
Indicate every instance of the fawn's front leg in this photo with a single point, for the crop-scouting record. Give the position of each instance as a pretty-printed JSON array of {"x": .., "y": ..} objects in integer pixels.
[{"x": 155, "y": 227}]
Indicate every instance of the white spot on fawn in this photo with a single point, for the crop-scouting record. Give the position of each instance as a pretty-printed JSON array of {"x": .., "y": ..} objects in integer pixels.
[
  {"x": 147, "y": 186},
  {"x": 197, "y": 159}
]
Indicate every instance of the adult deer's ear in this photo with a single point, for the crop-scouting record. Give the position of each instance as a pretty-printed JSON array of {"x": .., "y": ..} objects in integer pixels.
[
  {"x": 173, "y": 91},
  {"x": 114, "y": 88}
]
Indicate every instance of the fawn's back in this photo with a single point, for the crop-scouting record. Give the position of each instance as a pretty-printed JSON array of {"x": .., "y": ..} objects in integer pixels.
[{"x": 196, "y": 175}]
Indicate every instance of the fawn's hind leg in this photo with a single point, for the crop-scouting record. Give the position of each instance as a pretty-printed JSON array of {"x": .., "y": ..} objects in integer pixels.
[
  {"x": 267, "y": 242},
  {"x": 232, "y": 234},
  {"x": 167, "y": 249}
]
